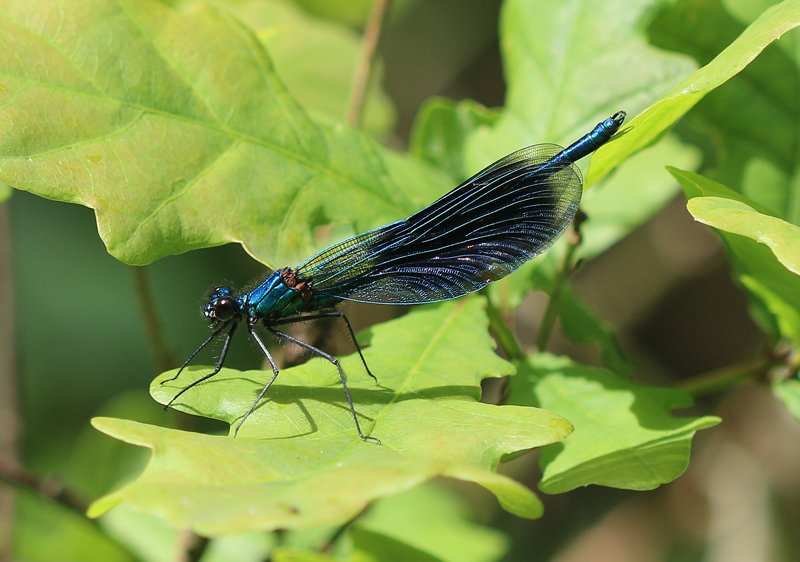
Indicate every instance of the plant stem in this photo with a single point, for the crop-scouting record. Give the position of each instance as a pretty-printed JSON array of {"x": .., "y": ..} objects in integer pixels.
[
  {"x": 565, "y": 269},
  {"x": 504, "y": 335},
  {"x": 9, "y": 408},
  {"x": 724, "y": 378},
  {"x": 366, "y": 58},
  {"x": 18, "y": 476},
  {"x": 165, "y": 359}
]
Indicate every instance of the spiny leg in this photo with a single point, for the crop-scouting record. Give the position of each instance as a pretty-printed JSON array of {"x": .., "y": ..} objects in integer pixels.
[
  {"x": 196, "y": 351},
  {"x": 331, "y": 315},
  {"x": 333, "y": 360},
  {"x": 268, "y": 355},
  {"x": 223, "y": 354}
]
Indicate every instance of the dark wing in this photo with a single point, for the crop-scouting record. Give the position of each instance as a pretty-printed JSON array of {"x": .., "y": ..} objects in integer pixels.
[{"x": 477, "y": 233}]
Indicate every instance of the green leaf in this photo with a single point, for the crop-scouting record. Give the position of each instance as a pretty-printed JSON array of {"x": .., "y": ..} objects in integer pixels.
[
  {"x": 581, "y": 324},
  {"x": 368, "y": 546},
  {"x": 624, "y": 434},
  {"x": 438, "y": 521},
  {"x": 69, "y": 535},
  {"x": 753, "y": 123},
  {"x": 377, "y": 547},
  {"x": 128, "y": 107},
  {"x": 578, "y": 320},
  {"x": 5, "y": 191},
  {"x": 651, "y": 124},
  {"x": 788, "y": 392},
  {"x": 787, "y": 317},
  {"x": 250, "y": 547},
  {"x": 732, "y": 216},
  {"x": 441, "y": 128},
  {"x": 754, "y": 239},
  {"x": 150, "y": 538},
  {"x": 292, "y": 554},
  {"x": 316, "y": 59},
  {"x": 568, "y": 65},
  {"x": 298, "y": 461},
  {"x": 97, "y": 464}
]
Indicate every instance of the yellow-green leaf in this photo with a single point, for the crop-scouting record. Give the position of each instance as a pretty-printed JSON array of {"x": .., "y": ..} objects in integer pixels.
[{"x": 298, "y": 461}]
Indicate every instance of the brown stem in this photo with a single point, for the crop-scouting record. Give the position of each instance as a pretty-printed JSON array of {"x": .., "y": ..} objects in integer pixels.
[
  {"x": 366, "y": 58},
  {"x": 164, "y": 357},
  {"x": 18, "y": 476}
]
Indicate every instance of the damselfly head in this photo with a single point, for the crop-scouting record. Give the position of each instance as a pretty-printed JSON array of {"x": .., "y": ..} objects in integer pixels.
[{"x": 221, "y": 305}]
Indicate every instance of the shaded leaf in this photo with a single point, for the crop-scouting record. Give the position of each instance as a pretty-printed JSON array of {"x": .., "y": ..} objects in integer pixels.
[
  {"x": 578, "y": 320},
  {"x": 569, "y": 65},
  {"x": 753, "y": 123},
  {"x": 438, "y": 521},
  {"x": 441, "y": 129},
  {"x": 788, "y": 392},
  {"x": 298, "y": 461},
  {"x": 625, "y": 436},
  {"x": 98, "y": 464},
  {"x": 128, "y": 107},
  {"x": 647, "y": 127},
  {"x": 69, "y": 535},
  {"x": 377, "y": 547},
  {"x": 581, "y": 324},
  {"x": 787, "y": 317},
  {"x": 293, "y": 554},
  {"x": 368, "y": 546}
]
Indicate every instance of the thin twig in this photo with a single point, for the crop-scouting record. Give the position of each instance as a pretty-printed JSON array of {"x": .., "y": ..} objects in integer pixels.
[
  {"x": 328, "y": 546},
  {"x": 9, "y": 408},
  {"x": 565, "y": 269},
  {"x": 366, "y": 58},
  {"x": 18, "y": 476},
  {"x": 164, "y": 357},
  {"x": 724, "y": 378}
]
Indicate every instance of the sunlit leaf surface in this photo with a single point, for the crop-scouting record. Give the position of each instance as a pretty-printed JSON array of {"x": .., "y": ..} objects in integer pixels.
[
  {"x": 625, "y": 436},
  {"x": 177, "y": 131},
  {"x": 732, "y": 216},
  {"x": 298, "y": 461}
]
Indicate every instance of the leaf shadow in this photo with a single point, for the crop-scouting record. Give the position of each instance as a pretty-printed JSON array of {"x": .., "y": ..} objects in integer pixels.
[
  {"x": 652, "y": 406},
  {"x": 301, "y": 395}
]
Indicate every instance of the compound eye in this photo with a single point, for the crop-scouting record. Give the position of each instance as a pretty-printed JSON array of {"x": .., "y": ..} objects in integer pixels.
[{"x": 225, "y": 309}]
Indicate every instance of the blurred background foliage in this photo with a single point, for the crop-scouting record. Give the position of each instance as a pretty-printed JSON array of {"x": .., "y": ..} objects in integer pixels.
[{"x": 80, "y": 348}]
